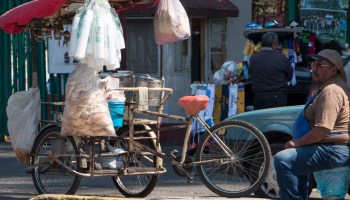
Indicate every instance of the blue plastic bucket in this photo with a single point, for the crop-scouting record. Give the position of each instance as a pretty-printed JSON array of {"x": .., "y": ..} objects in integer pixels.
[{"x": 116, "y": 110}]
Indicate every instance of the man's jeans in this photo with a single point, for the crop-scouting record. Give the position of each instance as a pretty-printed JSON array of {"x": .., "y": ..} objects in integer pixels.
[{"x": 293, "y": 166}]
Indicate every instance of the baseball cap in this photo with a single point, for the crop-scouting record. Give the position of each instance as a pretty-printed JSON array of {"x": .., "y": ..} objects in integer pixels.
[{"x": 333, "y": 57}]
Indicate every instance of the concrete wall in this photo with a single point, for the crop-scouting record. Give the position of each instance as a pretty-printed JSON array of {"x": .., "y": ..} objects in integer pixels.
[
  {"x": 180, "y": 81},
  {"x": 235, "y": 29}
]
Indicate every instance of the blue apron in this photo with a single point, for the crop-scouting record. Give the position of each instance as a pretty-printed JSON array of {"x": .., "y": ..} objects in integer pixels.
[{"x": 301, "y": 125}]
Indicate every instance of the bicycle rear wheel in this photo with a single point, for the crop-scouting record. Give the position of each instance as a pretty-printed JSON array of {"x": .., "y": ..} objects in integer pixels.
[
  {"x": 232, "y": 176},
  {"x": 50, "y": 177},
  {"x": 136, "y": 185}
]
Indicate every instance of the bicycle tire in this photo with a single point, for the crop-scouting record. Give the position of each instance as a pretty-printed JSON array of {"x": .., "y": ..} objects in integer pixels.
[
  {"x": 233, "y": 179},
  {"x": 135, "y": 185},
  {"x": 49, "y": 177}
]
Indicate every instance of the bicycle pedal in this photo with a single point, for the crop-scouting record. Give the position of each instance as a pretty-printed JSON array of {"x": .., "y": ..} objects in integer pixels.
[
  {"x": 190, "y": 179},
  {"x": 173, "y": 153}
]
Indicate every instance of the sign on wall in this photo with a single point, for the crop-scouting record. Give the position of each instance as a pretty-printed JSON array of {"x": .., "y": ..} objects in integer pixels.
[
  {"x": 58, "y": 59},
  {"x": 325, "y": 18}
]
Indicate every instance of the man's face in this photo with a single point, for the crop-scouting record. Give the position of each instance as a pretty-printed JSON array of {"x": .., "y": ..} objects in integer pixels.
[{"x": 322, "y": 71}]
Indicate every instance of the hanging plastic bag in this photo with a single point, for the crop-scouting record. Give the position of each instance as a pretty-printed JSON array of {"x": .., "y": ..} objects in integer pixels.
[
  {"x": 86, "y": 111},
  {"x": 23, "y": 113},
  {"x": 171, "y": 22},
  {"x": 97, "y": 36}
]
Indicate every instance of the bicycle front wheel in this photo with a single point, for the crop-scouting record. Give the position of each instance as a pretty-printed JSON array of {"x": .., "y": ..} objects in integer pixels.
[
  {"x": 49, "y": 177},
  {"x": 231, "y": 176}
]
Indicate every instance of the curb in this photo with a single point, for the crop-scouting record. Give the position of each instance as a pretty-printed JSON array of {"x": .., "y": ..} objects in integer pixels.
[{"x": 75, "y": 197}]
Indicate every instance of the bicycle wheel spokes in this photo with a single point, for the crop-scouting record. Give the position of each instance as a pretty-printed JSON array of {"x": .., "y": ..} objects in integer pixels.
[
  {"x": 233, "y": 176},
  {"x": 136, "y": 185},
  {"x": 49, "y": 176}
]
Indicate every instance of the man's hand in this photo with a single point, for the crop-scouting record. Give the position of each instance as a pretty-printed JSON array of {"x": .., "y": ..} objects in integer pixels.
[
  {"x": 315, "y": 135},
  {"x": 291, "y": 144}
]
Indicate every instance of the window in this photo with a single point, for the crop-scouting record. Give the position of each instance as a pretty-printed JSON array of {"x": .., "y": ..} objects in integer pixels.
[
  {"x": 218, "y": 43},
  {"x": 182, "y": 55},
  {"x": 142, "y": 50}
]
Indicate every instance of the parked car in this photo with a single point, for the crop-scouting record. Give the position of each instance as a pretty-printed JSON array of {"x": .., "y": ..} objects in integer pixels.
[{"x": 276, "y": 124}]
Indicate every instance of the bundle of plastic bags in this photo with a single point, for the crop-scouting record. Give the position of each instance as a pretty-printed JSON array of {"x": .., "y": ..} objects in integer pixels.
[
  {"x": 228, "y": 73},
  {"x": 171, "y": 22},
  {"x": 97, "y": 35},
  {"x": 23, "y": 112},
  {"x": 86, "y": 110}
]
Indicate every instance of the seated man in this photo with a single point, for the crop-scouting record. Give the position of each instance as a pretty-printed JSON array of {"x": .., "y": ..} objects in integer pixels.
[{"x": 321, "y": 132}]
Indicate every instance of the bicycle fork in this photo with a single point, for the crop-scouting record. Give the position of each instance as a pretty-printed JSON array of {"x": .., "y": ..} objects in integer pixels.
[{"x": 222, "y": 145}]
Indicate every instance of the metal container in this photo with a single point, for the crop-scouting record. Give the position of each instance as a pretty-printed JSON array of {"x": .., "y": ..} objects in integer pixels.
[
  {"x": 145, "y": 80},
  {"x": 126, "y": 79},
  {"x": 155, "y": 83},
  {"x": 154, "y": 97},
  {"x": 103, "y": 75},
  {"x": 142, "y": 80}
]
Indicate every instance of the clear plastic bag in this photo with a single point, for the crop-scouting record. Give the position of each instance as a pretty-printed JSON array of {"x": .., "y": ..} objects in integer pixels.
[
  {"x": 333, "y": 183},
  {"x": 23, "y": 112},
  {"x": 97, "y": 36},
  {"x": 86, "y": 111},
  {"x": 171, "y": 22}
]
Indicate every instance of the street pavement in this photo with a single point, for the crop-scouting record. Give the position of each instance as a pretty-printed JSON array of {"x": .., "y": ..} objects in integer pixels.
[{"x": 15, "y": 184}]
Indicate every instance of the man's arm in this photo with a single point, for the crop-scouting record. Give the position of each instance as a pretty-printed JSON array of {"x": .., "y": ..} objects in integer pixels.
[{"x": 315, "y": 135}]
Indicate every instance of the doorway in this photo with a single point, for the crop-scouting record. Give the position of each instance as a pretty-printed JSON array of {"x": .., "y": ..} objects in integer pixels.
[{"x": 196, "y": 51}]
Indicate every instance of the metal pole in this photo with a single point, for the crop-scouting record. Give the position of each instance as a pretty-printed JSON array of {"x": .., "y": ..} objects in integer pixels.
[
  {"x": 41, "y": 73},
  {"x": 2, "y": 70},
  {"x": 21, "y": 62},
  {"x": 29, "y": 58},
  {"x": 34, "y": 63},
  {"x": 14, "y": 53}
]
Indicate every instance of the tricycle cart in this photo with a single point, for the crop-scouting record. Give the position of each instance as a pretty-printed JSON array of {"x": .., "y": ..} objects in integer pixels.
[{"x": 232, "y": 158}]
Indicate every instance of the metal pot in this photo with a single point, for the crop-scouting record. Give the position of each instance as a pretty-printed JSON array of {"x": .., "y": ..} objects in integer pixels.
[
  {"x": 154, "y": 96},
  {"x": 103, "y": 75},
  {"x": 142, "y": 80},
  {"x": 126, "y": 79}
]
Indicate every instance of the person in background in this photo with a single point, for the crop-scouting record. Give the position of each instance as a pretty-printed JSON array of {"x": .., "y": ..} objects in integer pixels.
[
  {"x": 270, "y": 73},
  {"x": 321, "y": 132},
  {"x": 346, "y": 53},
  {"x": 331, "y": 45}
]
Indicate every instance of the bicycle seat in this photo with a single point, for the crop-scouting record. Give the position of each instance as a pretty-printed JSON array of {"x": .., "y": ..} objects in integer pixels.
[{"x": 194, "y": 104}]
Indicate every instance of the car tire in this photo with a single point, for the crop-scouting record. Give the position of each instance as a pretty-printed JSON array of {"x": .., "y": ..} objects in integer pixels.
[{"x": 269, "y": 188}]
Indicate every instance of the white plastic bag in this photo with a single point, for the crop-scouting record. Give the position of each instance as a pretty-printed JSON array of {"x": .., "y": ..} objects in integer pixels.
[
  {"x": 23, "y": 112},
  {"x": 97, "y": 36},
  {"x": 171, "y": 22}
]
